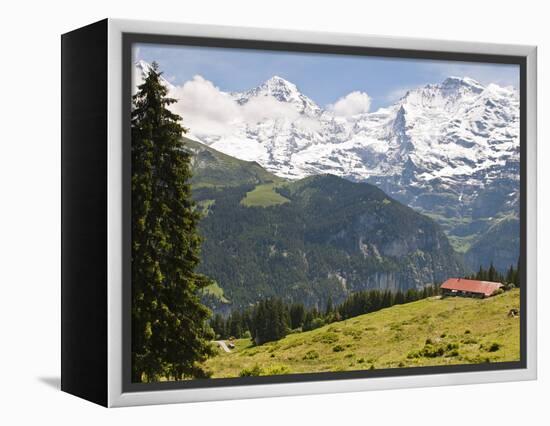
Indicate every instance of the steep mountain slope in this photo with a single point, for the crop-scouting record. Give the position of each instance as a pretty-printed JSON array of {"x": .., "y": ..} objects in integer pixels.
[
  {"x": 449, "y": 150},
  {"x": 497, "y": 244},
  {"x": 424, "y": 333},
  {"x": 213, "y": 168},
  {"x": 328, "y": 237}
]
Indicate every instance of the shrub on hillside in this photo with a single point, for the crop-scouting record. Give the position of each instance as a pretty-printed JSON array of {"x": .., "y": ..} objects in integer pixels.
[
  {"x": 275, "y": 370},
  {"x": 326, "y": 338},
  {"x": 430, "y": 350},
  {"x": 493, "y": 347},
  {"x": 311, "y": 355},
  {"x": 250, "y": 372}
]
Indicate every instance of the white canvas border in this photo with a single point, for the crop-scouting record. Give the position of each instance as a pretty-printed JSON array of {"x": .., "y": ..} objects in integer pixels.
[{"x": 116, "y": 396}]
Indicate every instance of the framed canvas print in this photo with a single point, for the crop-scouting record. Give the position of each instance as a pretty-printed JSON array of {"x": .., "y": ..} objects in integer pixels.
[{"x": 251, "y": 213}]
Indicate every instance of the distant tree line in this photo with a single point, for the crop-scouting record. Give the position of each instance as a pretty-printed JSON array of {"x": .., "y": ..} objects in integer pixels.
[
  {"x": 272, "y": 319},
  {"x": 370, "y": 301},
  {"x": 511, "y": 276}
]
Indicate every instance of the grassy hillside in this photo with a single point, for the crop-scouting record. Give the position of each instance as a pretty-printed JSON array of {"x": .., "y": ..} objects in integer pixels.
[
  {"x": 263, "y": 195},
  {"x": 428, "y": 332},
  {"x": 213, "y": 169}
]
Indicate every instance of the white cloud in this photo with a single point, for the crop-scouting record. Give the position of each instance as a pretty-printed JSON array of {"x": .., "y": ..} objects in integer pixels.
[
  {"x": 352, "y": 104},
  {"x": 262, "y": 108},
  {"x": 207, "y": 110},
  {"x": 204, "y": 108},
  {"x": 308, "y": 124}
]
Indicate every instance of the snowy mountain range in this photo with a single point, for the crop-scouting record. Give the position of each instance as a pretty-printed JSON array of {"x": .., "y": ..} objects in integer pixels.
[{"x": 450, "y": 149}]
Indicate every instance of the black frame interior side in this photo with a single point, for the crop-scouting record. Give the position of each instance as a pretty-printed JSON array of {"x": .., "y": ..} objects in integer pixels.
[
  {"x": 130, "y": 39},
  {"x": 84, "y": 76}
]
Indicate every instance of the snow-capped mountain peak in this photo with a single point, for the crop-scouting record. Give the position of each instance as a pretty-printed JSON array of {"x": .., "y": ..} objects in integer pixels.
[
  {"x": 457, "y": 134},
  {"x": 283, "y": 91},
  {"x": 279, "y": 84},
  {"x": 454, "y": 83},
  {"x": 143, "y": 66},
  {"x": 447, "y": 96}
]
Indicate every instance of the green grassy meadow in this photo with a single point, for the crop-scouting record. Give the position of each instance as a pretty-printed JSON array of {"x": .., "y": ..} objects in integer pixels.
[
  {"x": 428, "y": 332},
  {"x": 264, "y": 195}
]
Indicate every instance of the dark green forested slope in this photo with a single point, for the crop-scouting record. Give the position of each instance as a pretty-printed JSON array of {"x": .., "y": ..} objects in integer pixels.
[{"x": 328, "y": 238}]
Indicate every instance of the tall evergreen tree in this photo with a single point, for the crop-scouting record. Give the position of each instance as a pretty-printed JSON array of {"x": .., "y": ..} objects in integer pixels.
[
  {"x": 330, "y": 306},
  {"x": 270, "y": 321},
  {"x": 492, "y": 273},
  {"x": 169, "y": 323},
  {"x": 510, "y": 274},
  {"x": 297, "y": 315},
  {"x": 235, "y": 325},
  {"x": 387, "y": 299},
  {"x": 399, "y": 298},
  {"x": 218, "y": 325},
  {"x": 481, "y": 274},
  {"x": 308, "y": 321}
]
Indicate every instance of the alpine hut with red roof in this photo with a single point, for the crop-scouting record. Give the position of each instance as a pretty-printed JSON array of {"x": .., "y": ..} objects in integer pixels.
[{"x": 469, "y": 288}]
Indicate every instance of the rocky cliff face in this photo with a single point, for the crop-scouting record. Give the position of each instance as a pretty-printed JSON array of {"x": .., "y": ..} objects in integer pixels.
[
  {"x": 408, "y": 249},
  {"x": 496, "y": 244}
]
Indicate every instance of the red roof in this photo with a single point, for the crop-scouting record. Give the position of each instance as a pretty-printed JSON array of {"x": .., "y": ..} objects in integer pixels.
[{"x": 472, "y": 286}]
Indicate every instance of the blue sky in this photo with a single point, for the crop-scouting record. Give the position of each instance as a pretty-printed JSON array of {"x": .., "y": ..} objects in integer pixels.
[{"x": 324, "y": 78}]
